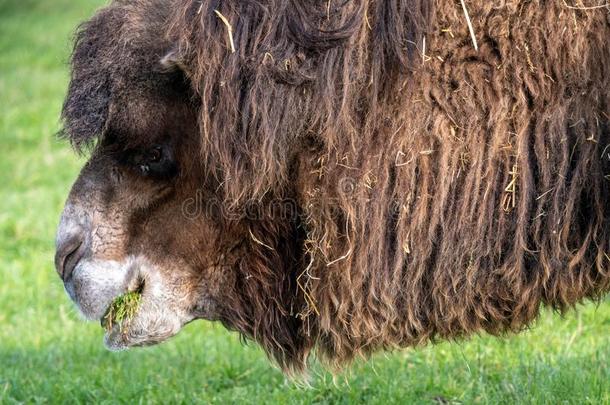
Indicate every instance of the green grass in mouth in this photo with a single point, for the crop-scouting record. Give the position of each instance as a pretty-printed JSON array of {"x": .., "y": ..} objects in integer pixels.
[{"x": 122, "y": 310}]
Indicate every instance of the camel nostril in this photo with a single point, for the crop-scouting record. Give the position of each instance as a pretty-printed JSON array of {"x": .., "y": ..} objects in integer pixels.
[{"x": 68, "y": 255}]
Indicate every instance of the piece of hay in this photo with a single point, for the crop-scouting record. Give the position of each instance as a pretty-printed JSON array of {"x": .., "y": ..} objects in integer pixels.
[
  {"x": 226, "y": 22},
  {"x": 470, "y": 28},
  {"x": 122, "y": 310},
  {"x": 510, "y": 197},
  {"x": 605, "y": 5}
]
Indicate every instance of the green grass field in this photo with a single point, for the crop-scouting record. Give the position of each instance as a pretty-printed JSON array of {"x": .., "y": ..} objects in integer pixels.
[{"x": 47, "y": 354}]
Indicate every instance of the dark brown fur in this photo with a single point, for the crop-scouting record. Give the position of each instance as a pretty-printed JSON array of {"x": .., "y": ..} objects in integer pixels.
[{"x": 439, "y": 194}]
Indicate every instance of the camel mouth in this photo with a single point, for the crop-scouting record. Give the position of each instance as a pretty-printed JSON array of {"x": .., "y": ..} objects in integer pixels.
[
  {"x": 130, "y": 299},
  {"x": 141, "y": 314}
]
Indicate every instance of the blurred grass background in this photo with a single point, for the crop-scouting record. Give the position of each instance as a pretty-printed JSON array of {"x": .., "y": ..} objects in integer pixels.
[{"x": 48, "y": 355}]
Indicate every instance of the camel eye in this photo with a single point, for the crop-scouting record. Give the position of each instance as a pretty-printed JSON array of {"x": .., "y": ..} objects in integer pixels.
[
  {"x": 155, "y": 155},
  {"x": 156, "y": 162}
]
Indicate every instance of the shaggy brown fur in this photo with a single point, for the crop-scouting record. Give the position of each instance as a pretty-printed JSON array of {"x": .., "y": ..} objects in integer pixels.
[{"x": 441, "y": 190}]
